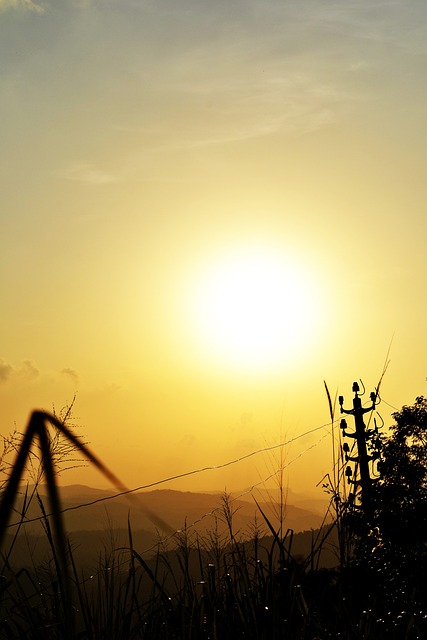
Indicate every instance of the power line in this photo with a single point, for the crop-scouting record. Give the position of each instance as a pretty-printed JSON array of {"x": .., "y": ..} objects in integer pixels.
[
  {"x": 175, "y": 477},
  {"x": 389, "y": 405},
  {"x": 238, "y": 497},
  {"x": 257, "y": 484}
]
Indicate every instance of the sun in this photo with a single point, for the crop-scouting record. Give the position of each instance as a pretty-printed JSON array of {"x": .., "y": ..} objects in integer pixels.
[{"x": 255, "y": 308}]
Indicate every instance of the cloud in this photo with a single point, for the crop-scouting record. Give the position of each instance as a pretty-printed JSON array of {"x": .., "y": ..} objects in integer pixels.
[
  {"x": 29, "y": 370},
  {"x": 26, "y": 5},
  {"x": 71, "y": 374},
  {"x": 5, "y": 370},
  {"x": 187, "y": 440},
  {"x": 89, "y": 173},
  {"x": 360, "y": 65}
]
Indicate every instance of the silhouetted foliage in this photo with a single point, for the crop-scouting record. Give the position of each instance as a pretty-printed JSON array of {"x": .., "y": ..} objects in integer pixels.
[
  {"x": 390, "y": 552},
  {"x": 401, "y": 495},
  {"x": 397, "y": 518}
]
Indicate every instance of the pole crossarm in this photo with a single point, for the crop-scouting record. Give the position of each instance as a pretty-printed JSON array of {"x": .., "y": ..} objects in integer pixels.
[{"x": 361, "y": 477}]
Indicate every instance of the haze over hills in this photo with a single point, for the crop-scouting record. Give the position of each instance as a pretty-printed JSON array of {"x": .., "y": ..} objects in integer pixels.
[
  {"x": 97, "y": 523},
  {"x": 165, "y": 511}
]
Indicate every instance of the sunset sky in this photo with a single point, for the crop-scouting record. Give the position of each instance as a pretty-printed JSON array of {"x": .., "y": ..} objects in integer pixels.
[{"x": 208, "y": 208}]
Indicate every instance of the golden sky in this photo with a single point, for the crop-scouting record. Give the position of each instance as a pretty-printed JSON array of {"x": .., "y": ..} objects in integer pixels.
[{"x": 207, "y": 209}]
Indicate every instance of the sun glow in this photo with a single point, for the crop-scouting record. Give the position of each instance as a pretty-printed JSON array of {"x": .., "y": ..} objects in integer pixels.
[{"x": 255, "y": 309}]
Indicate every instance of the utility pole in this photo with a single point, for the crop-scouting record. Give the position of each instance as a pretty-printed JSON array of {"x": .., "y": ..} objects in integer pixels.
[{"x": 361, "y": 436}]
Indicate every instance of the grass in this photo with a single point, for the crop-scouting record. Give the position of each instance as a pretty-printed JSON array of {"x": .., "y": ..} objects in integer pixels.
[{"x": 218, "y": 586}]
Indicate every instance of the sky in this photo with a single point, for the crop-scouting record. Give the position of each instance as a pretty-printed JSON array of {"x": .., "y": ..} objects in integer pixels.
[{"x": 208, "y": 209}]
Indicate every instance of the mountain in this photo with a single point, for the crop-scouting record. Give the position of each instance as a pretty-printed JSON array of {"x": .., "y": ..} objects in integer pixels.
[
  {"x": 97, "y": 521},
  {"x": 165, "y": 511}
]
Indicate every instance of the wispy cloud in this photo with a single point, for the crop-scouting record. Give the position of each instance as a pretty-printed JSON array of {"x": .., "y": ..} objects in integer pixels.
[
  {"x": 29, "y": 370},
  {"x": 6, "y": 370},
  {"x": 275, "y": 102},
  {"x": 188, "y": 440},
  {"x": 25, "y": 5},
  {"x": 71, "y": 374},
  {"x": 89, "y": 173}
]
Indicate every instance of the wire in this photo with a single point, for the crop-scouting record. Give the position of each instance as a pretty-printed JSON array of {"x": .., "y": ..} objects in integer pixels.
[
  {"x": 220, "y": 507},
  {"x": 390, "y": 405},
  {"x": 257, "y": 484},
  {"x": 174, "y": 477},
  {"x": 244, "y": 493}
]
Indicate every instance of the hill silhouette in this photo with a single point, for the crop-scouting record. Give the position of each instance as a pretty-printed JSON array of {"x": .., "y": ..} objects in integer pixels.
[
  {"x": 164, "y": 510},
  {"x": 95, "y": 522}
]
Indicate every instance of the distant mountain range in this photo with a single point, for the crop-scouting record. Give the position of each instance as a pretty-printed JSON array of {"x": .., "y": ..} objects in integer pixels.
[
  {"x": 164, "y": 511},
  {"x": 97, "y": 522}
]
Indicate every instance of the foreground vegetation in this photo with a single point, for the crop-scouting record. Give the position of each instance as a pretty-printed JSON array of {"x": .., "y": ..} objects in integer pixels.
[{"x": 221, "y": 586}]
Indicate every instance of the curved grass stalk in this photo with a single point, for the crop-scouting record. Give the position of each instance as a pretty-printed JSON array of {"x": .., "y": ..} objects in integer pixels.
[{"x": 38, "y": 429}]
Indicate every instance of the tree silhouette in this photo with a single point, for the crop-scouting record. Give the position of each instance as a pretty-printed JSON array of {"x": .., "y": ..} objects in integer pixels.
[
  {"x": 390, "y": 541},
  {"x": 401, "y": 493}
]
